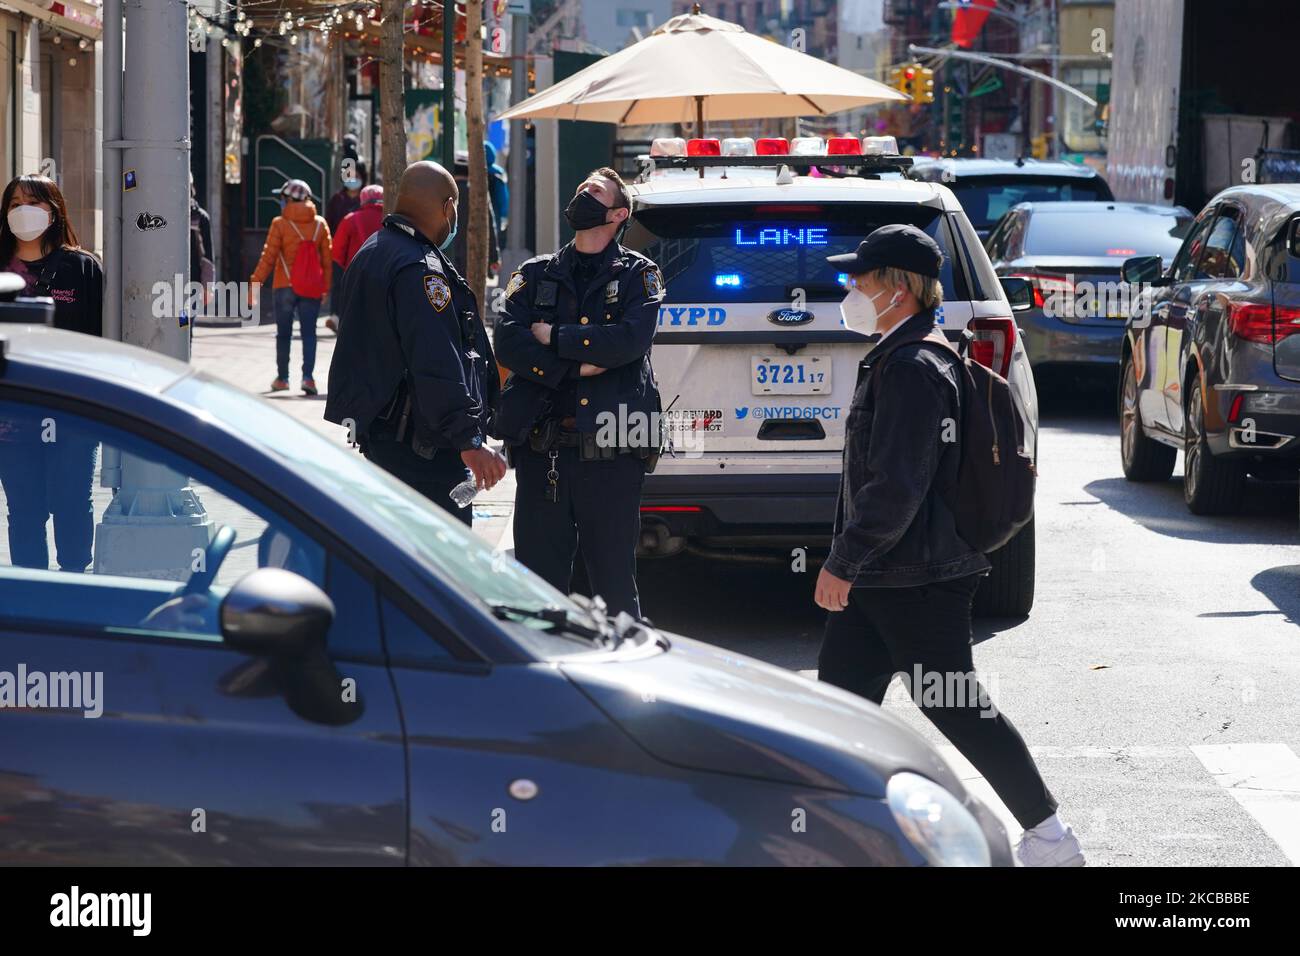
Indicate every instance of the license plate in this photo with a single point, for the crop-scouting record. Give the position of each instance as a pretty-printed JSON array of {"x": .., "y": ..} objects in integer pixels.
[{"x": 802, "y": 375}]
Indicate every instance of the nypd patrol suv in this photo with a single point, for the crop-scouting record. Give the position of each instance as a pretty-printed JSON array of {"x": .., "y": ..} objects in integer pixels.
[{"x": 755, "y": 366}]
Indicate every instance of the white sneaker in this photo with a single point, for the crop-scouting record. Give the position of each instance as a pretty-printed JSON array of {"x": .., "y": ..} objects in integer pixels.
[{"x": 1033, "y": 850}]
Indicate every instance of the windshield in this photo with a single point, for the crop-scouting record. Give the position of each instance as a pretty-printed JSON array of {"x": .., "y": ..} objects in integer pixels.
[
  {"x": 1115, "y": 234},
  {"x": 446, "y": 547},
  {"x": 763, "y": 252},
  {"x": 987, "y": 198}
]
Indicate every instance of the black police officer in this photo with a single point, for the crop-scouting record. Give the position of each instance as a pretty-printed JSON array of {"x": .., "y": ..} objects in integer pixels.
[
  {"x": 580, "y": 409},
  {"x": 413, "y": 368}
]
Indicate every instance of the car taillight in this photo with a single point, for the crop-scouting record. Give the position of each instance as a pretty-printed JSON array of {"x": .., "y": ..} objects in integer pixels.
[
  {"x": 1236, "y": 407},
  {"x": 773, "y": 146},
  {"x": 703, "y": 147},
  {"x": 1044, "y": 285},
  {"x": 993, "y": 343},
  {"x": 843, "y": 146},
  {"x": 1254, "y": 321}
]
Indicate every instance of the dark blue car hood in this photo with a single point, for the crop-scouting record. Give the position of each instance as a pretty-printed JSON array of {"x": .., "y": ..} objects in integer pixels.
[{"x": 705, "y": 708}]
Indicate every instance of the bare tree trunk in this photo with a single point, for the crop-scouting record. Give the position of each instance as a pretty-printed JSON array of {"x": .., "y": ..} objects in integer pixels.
[
  {"x": 392, "y": 114},
  {"x": 476, "y": 242}
]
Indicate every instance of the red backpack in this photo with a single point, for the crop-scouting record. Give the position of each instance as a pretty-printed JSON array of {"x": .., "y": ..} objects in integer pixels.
[{"x": 306, "y": 277}]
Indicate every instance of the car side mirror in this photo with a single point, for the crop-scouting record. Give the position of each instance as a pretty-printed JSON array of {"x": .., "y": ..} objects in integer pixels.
[
  {"x": 275, "y": 613},
  {"x": 1147, "y": 270},
  {"x": 1019, "y": 293}
]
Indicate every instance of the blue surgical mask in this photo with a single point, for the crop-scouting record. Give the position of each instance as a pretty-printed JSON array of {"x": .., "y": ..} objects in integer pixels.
[{"x": 445, "y": 245}]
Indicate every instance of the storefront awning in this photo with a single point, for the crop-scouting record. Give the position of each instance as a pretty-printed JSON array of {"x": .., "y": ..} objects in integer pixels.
[{"x": 71, "y": 16}]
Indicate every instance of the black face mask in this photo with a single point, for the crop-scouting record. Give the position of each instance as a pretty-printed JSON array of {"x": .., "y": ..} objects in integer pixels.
[{"x": 585, "y": 211}]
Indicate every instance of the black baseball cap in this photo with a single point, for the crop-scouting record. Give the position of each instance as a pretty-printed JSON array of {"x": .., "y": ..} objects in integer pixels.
[{"x": 898, "y": 246}]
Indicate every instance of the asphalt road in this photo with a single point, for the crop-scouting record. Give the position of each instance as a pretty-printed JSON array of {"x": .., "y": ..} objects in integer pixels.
[{"x": 1155, "y": 680}]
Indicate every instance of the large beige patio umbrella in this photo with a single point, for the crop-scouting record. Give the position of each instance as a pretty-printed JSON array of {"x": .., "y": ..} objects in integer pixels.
[{"x": 697, "y": 67}]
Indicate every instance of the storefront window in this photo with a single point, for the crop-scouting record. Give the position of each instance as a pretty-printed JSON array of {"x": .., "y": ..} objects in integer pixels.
[{"x": 1082, "y": 130}]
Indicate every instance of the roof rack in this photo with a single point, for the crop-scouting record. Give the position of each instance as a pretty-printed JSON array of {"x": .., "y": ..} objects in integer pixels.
[{"x": 862, "y": 164}]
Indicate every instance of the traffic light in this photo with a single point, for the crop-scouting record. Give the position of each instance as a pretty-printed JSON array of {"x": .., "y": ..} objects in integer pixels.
[
  {"x": 896, "y": 79},
  {"x": 910, "y": 75},
  {"x": 925, "y": 84}
]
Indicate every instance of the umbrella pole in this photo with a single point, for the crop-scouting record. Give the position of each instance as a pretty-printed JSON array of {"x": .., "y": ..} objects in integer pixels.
[{"x": 699, "y": 115}]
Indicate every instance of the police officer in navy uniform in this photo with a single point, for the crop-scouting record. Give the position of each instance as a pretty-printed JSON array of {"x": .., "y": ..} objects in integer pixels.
[
  {"x": 580, "y": 410},
  {"x": 413, "y": 374}
]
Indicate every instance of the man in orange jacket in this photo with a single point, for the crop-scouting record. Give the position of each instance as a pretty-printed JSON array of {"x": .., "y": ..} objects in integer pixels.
[{"x": 297, "y": 288}]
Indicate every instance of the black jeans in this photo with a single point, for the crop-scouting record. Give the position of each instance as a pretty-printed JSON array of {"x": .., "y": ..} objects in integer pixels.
[
  {"x": 44, "y": 479},
  {"x": 599, "y": 506},
  {"x": 434, "y": 478},
  {"x": 925, "y": 632}
]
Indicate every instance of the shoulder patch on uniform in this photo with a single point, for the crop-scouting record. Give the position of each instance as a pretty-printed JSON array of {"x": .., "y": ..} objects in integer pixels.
[
  {"x": 515, "y": 284},
  {"x": 653, "y": 282},
  {"x": 431, "y": 261},
  {"x": 439, "y": 293}
]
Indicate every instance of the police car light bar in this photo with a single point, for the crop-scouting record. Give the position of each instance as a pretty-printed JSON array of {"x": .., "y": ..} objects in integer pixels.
[{"x": 862, "y": 163}]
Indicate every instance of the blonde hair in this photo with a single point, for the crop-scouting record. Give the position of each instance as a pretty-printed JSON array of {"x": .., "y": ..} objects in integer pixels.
[{"x": 929, "y": 292}]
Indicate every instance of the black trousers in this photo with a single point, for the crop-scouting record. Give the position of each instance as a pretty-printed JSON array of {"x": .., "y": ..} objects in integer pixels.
[
  {"x": 434, "y": 478},
  {"x": 599, "y": 507},
  {"x": 925, "y": 633}
]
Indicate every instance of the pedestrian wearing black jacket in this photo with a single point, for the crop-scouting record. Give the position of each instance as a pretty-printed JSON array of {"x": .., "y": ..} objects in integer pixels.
[
  {"x": 49, "y": 479},
  {"x": 899, "y": 580},
  {"x": 413, "y": 373},
  {"x": 580, "y": 409}
]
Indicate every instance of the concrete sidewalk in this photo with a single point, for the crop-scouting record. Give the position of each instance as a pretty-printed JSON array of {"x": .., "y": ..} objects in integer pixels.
[{"x": 245, "y": 356}]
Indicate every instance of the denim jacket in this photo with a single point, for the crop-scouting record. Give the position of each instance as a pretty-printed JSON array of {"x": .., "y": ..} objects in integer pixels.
[{"x": 893, "y": 527}]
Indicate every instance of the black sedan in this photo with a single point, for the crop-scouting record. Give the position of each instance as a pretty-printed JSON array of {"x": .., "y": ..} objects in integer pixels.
[
  {"x": 243, "y": 644},
  {"x": 1071, "y": 254}
]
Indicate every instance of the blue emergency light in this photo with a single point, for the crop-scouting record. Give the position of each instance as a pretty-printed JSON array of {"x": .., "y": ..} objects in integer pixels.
[{"x": 727, "y": 280}]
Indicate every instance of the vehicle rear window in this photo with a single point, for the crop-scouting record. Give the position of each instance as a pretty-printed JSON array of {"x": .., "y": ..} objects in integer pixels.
[
  {"x": 763, "y": 252},
  {"x": 1105, "y": 233},
  {"x": 988, "y": 198}
]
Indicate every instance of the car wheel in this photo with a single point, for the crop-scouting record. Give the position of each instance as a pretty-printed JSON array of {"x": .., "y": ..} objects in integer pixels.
[
  {"x": 1211, "y": 486},
  {"x": 1008, "y": 591},
  {"x": 1144, "y": 459}
]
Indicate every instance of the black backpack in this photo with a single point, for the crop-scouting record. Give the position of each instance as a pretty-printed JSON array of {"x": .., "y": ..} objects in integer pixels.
[{"x": 994, "y": 494}]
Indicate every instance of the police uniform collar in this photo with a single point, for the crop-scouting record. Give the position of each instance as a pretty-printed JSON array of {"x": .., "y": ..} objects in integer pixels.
[
  {"x": 402, "y": 224},
  {"x": 564, "y": 261}
]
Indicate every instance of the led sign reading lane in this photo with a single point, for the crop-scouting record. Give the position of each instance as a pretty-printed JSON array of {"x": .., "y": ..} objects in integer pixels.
[{"x": 803, "y": 236}]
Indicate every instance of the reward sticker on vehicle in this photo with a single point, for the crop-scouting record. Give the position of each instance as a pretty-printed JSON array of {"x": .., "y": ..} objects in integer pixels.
[
  {"x": 439, "y": 293},
  {"x": 802, "y": 375},
  {"x": 694, "y": 420}
]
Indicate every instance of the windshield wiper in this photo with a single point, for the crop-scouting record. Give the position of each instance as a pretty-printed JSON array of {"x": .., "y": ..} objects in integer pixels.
[{"x": 558, "y": 618}]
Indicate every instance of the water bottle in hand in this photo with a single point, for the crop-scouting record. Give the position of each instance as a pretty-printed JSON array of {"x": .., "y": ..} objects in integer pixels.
[{"x": 464, "y": 493}]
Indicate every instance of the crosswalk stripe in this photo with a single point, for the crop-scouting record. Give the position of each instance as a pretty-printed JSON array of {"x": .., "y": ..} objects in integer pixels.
[{"x": 1265, "y": 780}]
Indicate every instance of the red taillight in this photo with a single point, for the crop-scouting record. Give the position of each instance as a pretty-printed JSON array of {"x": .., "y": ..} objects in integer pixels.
[
  {"x": 843, "y": 146},
  {"x": 772, "y": 146},
  {"x": 993, "y": 343},
  {"x": 1256, "y": 322},
  {"x": 1236, "y": 407},
  {"x": 1045, "y": 284},
  {"x": 703, "y": 147}
]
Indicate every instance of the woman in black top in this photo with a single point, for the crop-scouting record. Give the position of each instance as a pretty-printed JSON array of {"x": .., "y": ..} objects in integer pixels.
[{"x": 46, "y": 467}]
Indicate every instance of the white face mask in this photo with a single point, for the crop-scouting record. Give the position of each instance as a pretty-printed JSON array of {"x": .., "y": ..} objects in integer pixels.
[
  {"x": 859, "y": 311},
  {"x": 28, "y": 222}
]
